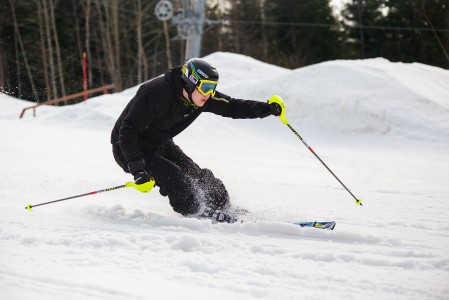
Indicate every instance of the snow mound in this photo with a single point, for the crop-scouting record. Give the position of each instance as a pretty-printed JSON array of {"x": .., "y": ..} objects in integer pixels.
[
  {"x": 236, "y": 70},
  {"x": 362, "y": 99},
  {"x": 372, "y": 97},
  {"x": 10, "y": 107}
]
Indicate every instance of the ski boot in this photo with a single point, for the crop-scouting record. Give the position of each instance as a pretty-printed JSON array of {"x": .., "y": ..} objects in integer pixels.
[{"x": 218, "y": 216}]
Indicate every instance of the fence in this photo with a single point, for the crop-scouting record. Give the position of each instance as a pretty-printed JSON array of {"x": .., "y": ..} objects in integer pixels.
[{"x": 103, "y": 89}]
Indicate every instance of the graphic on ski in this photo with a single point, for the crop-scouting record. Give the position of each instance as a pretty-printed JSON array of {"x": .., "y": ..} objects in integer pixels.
[{"x": 321, "y": 225}]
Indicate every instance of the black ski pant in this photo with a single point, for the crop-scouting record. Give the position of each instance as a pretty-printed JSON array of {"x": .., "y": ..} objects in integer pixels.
[{"x": 187, "y": 186}]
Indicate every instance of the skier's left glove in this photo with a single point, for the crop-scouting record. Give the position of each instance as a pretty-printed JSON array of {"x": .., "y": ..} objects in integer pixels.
[
  {"x": 275, "y": 108},
  {"x": 141, "y": 177},
  {"x": 137, "y": 168}
]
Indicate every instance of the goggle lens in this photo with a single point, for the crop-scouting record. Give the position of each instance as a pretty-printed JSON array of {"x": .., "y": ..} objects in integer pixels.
[{"x": 207, "y": 87}]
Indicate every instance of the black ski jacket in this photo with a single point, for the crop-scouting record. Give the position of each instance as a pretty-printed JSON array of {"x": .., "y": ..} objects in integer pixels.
[{"x": 158, "y": 112}]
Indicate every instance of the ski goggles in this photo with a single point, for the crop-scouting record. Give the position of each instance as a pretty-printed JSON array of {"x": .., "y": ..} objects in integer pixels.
[{"x": 207, "y": 87}]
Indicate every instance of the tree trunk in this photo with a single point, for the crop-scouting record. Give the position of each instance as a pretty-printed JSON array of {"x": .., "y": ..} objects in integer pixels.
[
  {"x": 22, "y": 47},
  {"x": 440, "y": 43},
  {"x": 51, "y": 61},
  {"x": 264, "y": 33},
  {"x": 140, "y": 51},
  {"x": 79, "y": 43},
  {"x": 167, "y": 45},
  {"x": 360, "y": 10},
  {"x": 116, "y": 42},
  {"x": 19, "y": 74},
  {"x": 87, "y": 13},
  {"x": 58, "y": 51},
  {"x": 43, "y": 51},
  {"x": 3, "y": 76},
  {"x": 110, "y": 39}
]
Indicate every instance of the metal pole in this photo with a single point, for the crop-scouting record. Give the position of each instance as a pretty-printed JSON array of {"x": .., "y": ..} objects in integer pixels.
[
  {"x": 196, "y": 13},
  {"x": 143, "y": 188}
]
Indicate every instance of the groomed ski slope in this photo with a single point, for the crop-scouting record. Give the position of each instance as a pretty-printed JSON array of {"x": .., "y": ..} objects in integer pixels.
[{"x": 382, "y": 127}]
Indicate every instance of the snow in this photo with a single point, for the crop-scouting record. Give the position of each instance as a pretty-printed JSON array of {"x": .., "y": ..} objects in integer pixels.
[{"x": 382, "y": 127}]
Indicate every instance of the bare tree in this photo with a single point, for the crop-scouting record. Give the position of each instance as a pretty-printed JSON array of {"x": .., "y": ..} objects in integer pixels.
[
  {"x": 43, "y": 50},
  {"x": 114, "y": 17},
  {"x": 108, "y": 30},
  {"x": 87, "y": 6},
  {"x": 360, "y": 9},
  {"x": 51, "y": 61},
  {"x": 142, "y": 63},
  {"x": 79, "y": 42},
  {"x": 58, "y": 49},
  {"x": 22, "y": 49},
  {"x": 3, "y": 76},
  {"x": 440, "y": 43}
]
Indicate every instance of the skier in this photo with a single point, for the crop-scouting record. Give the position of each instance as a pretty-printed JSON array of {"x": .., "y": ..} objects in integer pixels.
[{"x": 142, "y": 138}]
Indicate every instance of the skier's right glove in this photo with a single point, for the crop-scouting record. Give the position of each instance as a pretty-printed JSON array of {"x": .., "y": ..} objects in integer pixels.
[{"x": 141, "y": 177}]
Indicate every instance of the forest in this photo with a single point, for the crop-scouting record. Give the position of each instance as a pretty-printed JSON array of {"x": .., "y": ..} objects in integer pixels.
[{"x": 42, "y": 42}]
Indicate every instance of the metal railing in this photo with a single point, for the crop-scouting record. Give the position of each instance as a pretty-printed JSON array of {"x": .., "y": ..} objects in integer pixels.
[{"x": 103, "y": 89}]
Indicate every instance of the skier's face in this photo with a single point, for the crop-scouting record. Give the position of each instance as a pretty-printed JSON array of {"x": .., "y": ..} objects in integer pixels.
[{"x": 198, "y": 98}]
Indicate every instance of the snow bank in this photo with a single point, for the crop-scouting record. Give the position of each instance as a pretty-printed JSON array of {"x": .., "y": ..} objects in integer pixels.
[
  {"x": 365, "y": 98},
  {"x": 355, "y": 98}
]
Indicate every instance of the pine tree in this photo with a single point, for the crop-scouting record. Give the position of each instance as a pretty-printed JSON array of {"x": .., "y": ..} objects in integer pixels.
[{"x": 303, "y": 32}]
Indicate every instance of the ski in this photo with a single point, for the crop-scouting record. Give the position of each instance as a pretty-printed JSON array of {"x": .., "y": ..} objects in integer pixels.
[
  {"x": 321, "y": 225},
  {"x": 234, "y": 215}
]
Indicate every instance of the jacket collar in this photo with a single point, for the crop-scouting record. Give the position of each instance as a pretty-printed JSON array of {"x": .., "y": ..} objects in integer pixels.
[{"x": 173, "y": 77}]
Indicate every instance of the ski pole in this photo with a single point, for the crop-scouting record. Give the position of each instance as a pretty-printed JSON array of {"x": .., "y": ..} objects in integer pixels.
[
  {"x": 144, "y": 188},
  {"x": 278, "y": 100}
]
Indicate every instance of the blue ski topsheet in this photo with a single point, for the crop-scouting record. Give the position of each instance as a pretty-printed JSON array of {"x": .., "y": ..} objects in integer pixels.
[{"x": 329, "y": 225}]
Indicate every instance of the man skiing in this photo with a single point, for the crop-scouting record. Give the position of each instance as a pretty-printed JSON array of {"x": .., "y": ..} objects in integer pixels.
[{"x": 142, "y": 138}]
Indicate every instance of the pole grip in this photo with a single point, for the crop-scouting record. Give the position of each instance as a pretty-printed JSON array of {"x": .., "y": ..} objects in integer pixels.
[
  {"x": 277, "y": 99},
  {"x": 144, "y": 187}
]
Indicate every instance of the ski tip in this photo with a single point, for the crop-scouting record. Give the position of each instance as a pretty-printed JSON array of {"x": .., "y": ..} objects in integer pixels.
[{"x": 29, "y": 206}]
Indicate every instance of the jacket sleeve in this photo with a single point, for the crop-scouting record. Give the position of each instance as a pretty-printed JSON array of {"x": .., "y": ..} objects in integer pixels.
[
  {"x": 226, "y": 106},
  {"x": 139, "y": 115}
]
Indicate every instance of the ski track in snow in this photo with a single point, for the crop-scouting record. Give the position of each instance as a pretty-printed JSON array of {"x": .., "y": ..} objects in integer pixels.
[{"x": 380, "y": 126}]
